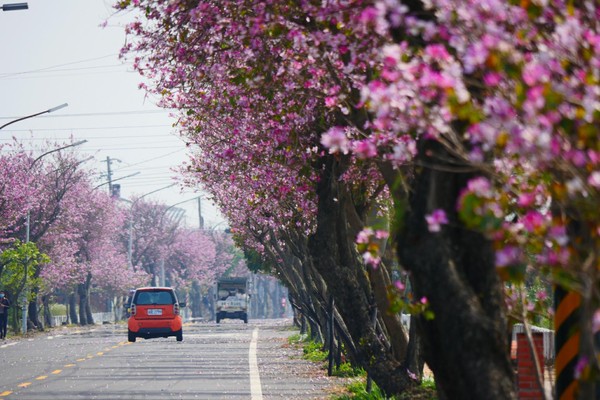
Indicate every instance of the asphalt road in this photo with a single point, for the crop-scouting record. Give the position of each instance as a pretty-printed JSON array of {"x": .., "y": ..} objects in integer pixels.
[{"x": 227, "y": 361}]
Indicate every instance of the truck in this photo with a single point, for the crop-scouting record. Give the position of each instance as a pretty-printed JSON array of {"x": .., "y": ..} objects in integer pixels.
[{"x": 232, "y": 299}]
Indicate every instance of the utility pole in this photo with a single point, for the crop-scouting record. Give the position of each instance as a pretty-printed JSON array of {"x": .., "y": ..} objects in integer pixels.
[
  {"x": 109, "y": 173},
  {"x": 201, "y": 219}
]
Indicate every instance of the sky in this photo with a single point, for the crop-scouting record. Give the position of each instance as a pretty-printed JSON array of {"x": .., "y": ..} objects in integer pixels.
[{"x": 58, "y": 52}]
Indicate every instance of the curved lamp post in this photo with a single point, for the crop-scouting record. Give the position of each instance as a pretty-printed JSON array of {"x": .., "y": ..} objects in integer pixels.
[
  {"x": 15, "y": 6},
  {"x": 27, "y": 230},
  {"x": 48, "y": 111}
]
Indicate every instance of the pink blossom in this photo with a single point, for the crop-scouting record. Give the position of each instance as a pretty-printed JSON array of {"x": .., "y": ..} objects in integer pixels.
[
  {"x": 369, "y": 15},
  {"x": 596, "y": 321},
  {"x": 580, "y": 367},
  {"x": 330, "y": 101},
  {"x": 475, "y": 56},
  {"x": 594, "y": 179},
  {"x": 336, "y": 141},
  {"x": 436, "y": 219},
  {"x": 558, "y": 233},
  {"x": 379, "y": 234},
  {"x": 480, "y": 186},
  {"x": 411, "y": 375},
  {"x": 399, "y": 286},
  {"x": 363, "y": 236},
  {"x": 437, "y": 52},
  {"x": 534, "y": 73},
  {"x": 364, "y": 149},
  {"x": 492, "y": 78},
  {"x": 508, "y": 255},
  {"x": 526, "y": 199},
  {"x": 533, "y": 220},
  {"x": 370, "y": 259},
  {"x": 541, "y": 295}
]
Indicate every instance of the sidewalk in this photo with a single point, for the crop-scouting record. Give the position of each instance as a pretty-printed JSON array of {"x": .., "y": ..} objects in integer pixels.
[{"x": 285, "y": 374}]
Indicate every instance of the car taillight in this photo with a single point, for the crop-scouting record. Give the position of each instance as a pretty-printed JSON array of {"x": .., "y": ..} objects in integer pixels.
[
  {"x": 132, "y": 309},
  {"x": 176, "y": 308}
]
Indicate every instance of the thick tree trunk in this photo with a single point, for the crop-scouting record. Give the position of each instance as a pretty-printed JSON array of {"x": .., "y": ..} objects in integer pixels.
[
  {"x": 88, "y": 307},
  {"x": 47, "y": 313},
  {"x": 82, "y": 304},
  {"x": 33, "y": 318},
  {"x": 33, "y": 312},
  {"x": 391, "y": 321},
  {"x": 336, "y": 259},
  {"x": 73, "y": 309},
  {"x": 465, "y": 343}
]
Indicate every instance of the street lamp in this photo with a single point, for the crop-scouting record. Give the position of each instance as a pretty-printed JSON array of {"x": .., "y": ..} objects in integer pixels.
[
  {"x": 15, "y": 6},
  {"x": 50, "y": 110},
  {"x": 27, "y": 231}
]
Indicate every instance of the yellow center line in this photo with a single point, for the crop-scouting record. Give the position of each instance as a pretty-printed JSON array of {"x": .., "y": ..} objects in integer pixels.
[
  {"x": 56, "y": 371},
  {"x": 99, "y": 353},
  {"x": 80, "y": 359},
  {"x": 69, "y": 365},
  {"x": 24, "y": 384},
  {"x": 5, "y": 393},
  {"x": 115, "y": 347},
  {"x": 41, "y": 378}
]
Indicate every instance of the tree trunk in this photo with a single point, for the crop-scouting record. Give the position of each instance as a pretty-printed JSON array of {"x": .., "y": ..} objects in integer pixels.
[
  {"x": 47, "y": 313},
  {"x": 33, "y": 313},
  {"x": 465, "y": 343},
  {"x": 73, "y": 309},
  {"x": 335, "y": 257},
  {"x": 82, "y": 304},
  {"x": 33, "y": 319},
  {"x": 88, "y": 308},
  {"x": 391, "y": 321}
]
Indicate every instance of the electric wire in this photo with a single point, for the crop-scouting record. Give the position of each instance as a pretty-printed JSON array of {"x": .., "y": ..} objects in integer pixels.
[{"x": 6, "y": 74}]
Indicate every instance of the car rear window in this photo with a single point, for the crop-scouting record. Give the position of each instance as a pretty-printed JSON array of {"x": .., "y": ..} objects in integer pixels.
[{"x": 154, "y": 297}]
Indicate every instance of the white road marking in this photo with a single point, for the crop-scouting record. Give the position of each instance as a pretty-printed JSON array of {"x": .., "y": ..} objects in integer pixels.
[
  {"x": 255, "y": 387},
  {"x": 8, "y": 344}
]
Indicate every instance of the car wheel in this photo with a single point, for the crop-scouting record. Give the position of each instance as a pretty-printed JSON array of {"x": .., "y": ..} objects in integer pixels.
[
  {"x": 179, "y": 335},
  {"x": 218, "y": 318},
  {"x": 130, "y": 336},
  {"x": 245, "y": 318}
]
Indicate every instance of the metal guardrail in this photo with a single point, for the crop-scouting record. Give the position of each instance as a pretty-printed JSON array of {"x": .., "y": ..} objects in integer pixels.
[{"x": 99, "y": 318}]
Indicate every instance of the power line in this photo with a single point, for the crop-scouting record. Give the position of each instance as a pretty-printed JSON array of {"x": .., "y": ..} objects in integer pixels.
[
  {"x": 69, "y": 69},
  {"x": 56, "y": 66},
  {"x": 155, "y": 158},
  {"x": 132, "y": 147},
  {"x": 71, "y": 75},
  {"x": 97, "y": 113},
  {"x": 145, "y": 169},
  {"x": 87, "y": 128}
]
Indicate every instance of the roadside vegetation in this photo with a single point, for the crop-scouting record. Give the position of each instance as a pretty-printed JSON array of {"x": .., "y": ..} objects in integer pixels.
[{"x": 356, "y": 388}]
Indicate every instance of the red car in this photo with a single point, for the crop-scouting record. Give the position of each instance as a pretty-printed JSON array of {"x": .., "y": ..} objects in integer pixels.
[{"x": 154, "y": 312}]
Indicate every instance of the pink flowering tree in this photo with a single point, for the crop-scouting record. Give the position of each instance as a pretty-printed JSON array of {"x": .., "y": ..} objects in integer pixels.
[
  {"x": 49, "y": 179},
  {"x": 78, "y": 236},
  {"x": 17, "y": 194},
  {"x": 285, "y": 185},
  {"x": 88, "y": 251},
  {"x": 191, "y": 256},
  {"x": 472, "y": 124}
]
